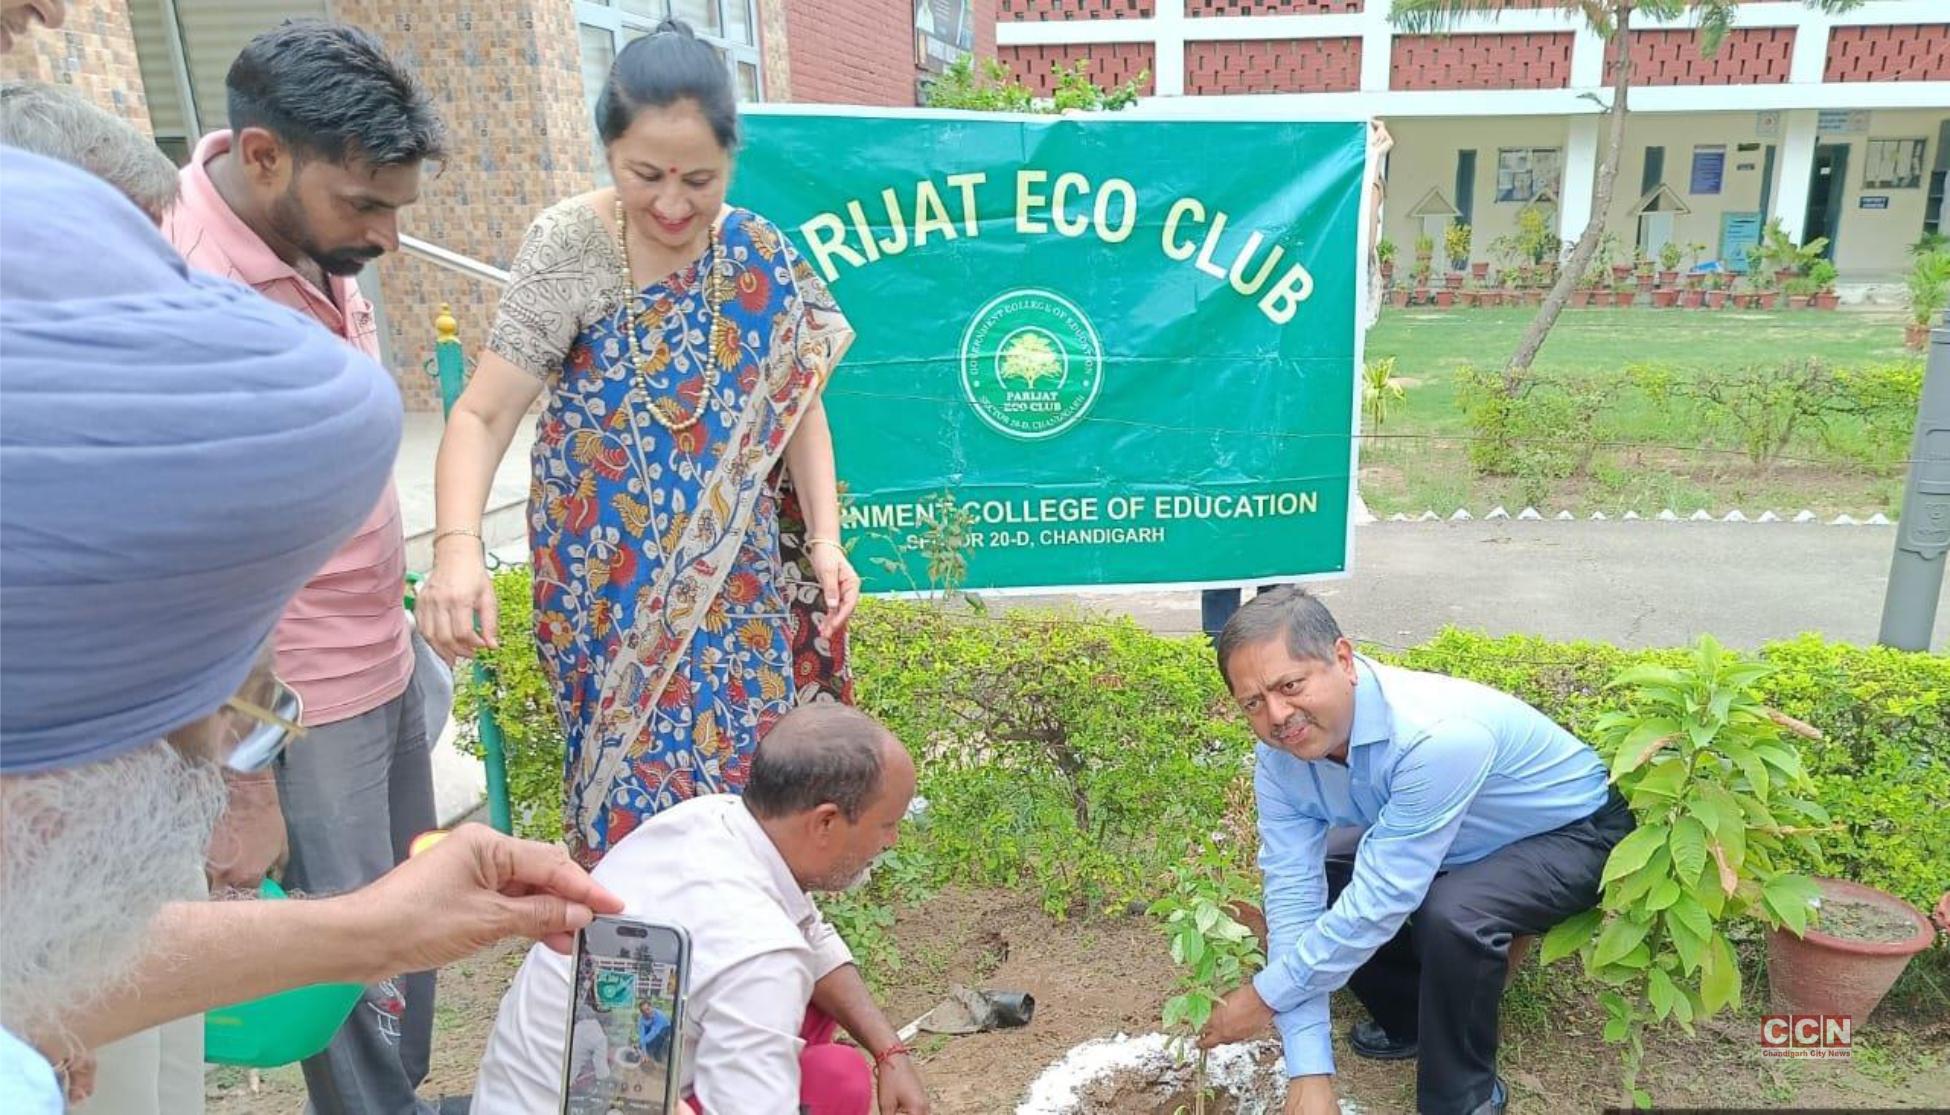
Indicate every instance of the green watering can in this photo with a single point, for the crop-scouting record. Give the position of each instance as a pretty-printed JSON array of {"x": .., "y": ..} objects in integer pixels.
[{"x": 278, "y": 1029}]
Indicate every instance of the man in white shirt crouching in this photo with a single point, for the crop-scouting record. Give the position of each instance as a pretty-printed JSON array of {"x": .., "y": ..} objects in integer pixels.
[{"x": 770, "y": 980}]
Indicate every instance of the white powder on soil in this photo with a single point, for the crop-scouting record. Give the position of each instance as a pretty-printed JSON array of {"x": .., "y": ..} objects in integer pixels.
[{"x": 1233, "y": 1069}]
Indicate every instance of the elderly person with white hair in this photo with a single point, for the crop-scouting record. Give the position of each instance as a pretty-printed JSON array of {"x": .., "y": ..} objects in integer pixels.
[
  {"x": 177, "y": 457},
  {"x": 56, "y": 121}
]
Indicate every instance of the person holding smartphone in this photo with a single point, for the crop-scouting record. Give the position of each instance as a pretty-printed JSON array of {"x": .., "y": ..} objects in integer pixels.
[{"x": 770, "y": 982}]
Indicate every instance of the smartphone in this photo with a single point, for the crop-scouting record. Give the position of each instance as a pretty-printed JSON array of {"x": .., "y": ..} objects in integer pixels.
[{"x": 626, "y": 1019}]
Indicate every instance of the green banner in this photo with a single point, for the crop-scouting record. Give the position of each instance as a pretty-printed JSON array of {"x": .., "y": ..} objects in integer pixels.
[{"x": 1124, "y": 350}]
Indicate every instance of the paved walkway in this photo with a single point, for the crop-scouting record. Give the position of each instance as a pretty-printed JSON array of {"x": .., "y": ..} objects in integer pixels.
[{"x": 1642, "y": 583}]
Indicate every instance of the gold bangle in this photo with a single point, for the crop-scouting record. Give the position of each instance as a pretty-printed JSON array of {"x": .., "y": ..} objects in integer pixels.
[
  {"x": 833, "y": 542},
  {"x": 469, "y": 532}
]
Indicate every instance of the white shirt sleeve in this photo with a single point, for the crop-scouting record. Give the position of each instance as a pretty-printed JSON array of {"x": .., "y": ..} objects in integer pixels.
[
  {"x": 748, "y": 1037},
  {"x": 829, "y": 951}
]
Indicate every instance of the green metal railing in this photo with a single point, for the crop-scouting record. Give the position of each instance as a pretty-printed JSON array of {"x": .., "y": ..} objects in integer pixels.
[{"x": 450, "y": 368}]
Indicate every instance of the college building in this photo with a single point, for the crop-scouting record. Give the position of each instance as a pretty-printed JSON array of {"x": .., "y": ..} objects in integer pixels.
[{"x": 1838, "y": 126}]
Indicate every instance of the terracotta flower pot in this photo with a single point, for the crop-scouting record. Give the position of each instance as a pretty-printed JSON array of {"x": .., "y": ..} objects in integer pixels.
[
  {"x": 1581, "y": 297},
  {"x": 1668, "y": 278},
  {"x": 1827, "y": 300},
  {"x": 1388, "y": 271},
  {"x": 1398, "y": 298},
  {"x": 1469, "y": 298},
  {"x": 1480, "y": 268},
  {"x": 1716, "y": 299},
  {"x": 1533, "y": 297},
  {"x": 1664, "y": 299},
  {"x": 1445, "y": 298},
  {"x": 1916, "y": 335},
  {"x": 1824, "y": 974},
  {"x": 1691, "y": 299},
  {"x": 1797, "y": 301},
  {"x": 1621, "y": 271},
  {"x": 1624, "y": 298},
  {"x": 1768, "y": 299}
]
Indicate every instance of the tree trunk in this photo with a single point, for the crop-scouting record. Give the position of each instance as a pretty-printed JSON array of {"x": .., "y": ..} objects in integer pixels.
[{"x": 1601, "y": 191}]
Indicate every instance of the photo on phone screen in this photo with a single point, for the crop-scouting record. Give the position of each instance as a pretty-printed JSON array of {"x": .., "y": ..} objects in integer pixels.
[{"x": 626, "y": 1009}]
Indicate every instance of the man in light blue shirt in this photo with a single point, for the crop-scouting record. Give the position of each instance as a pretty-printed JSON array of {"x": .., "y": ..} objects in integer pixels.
[{"x": 1483, "y": 821}]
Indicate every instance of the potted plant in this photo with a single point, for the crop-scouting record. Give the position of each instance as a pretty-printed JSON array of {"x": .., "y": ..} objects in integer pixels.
[
  {"x": 1767, "y": 290},
  {"x": 1858, "y": 942},
  {"x": 1424, "y": 247},
  {"x": 1719, "y": 792},
  {"x": 1822, "y": 274},
  {"x": 1587, "y": 288},
  {"x": 1669, "y": 257},
  {"x": 1716, "y": 291},
  {"x": 1423, "y": 269},
  {"x": 1929, "y": 290},
  {"x": 1664, "y": 298},
  {"x": 1471, "y": 295},
  {"x": 1455, "y": 246},
  {"x": 1384, "y": 251},
  {"x": 1620, "y": 269},
  {"x": 1693, "y": 276},
  {"x": 1398, "y": 297},
  {"x": 1624, "y": 293},
  {"x": 1800, "y": 291}
]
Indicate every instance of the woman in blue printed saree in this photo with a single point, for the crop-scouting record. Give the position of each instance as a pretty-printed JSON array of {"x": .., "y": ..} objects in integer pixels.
[{"x": 682, "y": 346}]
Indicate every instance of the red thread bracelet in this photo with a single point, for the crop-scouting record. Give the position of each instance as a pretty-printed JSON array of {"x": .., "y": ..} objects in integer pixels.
[{"x": 894, "y": 1050}]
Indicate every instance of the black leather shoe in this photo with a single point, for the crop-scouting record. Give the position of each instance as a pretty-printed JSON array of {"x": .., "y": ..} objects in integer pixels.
[
  {"x": 1499, "y": 1099},
  {"x": 1371, "y": 1041}
]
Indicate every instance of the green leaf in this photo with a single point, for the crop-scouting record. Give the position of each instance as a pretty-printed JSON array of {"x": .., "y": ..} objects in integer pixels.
[
  {"x": 1207, "y": 917},
  {"x": 1688, "y": 844},
  {"x": 1641, "y": 1099},
  {"x": 1617, "y": 1008},
  {"x": 1707, "y": 891},
  {"x": 1633, "y": 852},
  {"x": 1663, "y": 894},
  {"x": 1617, "y": 1029},
  {"x": 1569, "y": 935},
  {"x": 1660, "y": 990},
  {"x": 1755, "y": 769},
  {"x": 1645, "y": 741},
  {"x": 1791, "y": 898},
  {"x": 1191, "y": 948},
  {"x": 1663, "y": 780},
  {"x": 1662, "y": 676},
  {"x": 1706, "y": 810},
  {"x": 1782, "y": 758},
  {"x": 1619, "y": 939},
  {"x": 1719, "y": 976}
]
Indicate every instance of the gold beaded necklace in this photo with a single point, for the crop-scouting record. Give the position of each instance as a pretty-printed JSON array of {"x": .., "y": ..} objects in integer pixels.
[{"x": 708, "y": 278}]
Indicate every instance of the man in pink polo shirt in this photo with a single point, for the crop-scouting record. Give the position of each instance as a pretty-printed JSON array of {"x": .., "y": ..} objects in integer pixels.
[{"x": 328, "y": 135}]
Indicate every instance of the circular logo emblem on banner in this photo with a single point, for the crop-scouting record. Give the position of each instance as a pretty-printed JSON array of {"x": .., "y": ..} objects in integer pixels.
[{"x": 1031, "y": 364}]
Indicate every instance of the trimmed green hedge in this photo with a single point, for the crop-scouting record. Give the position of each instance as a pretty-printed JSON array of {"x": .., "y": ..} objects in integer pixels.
[{"x": 1084, "y": 756}]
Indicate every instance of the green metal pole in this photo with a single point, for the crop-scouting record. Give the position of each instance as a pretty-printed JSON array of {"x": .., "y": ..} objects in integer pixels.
[{"x": 452, "y": 366}]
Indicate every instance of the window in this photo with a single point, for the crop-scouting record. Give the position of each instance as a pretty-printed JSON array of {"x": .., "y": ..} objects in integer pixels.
[
  {"x": 1894, "y": 164},
  {"x": 605, "y": 27},
  {"x": 184, "y": 50},
  {"x": 1522, "y": 173}
]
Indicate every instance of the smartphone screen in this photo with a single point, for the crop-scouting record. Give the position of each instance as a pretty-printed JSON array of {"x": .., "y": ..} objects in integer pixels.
[{"x": 625, "y": 1014}]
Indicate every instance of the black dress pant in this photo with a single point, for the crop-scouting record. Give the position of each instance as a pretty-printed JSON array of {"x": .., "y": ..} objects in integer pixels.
[{"x": 1440, "y": 980}]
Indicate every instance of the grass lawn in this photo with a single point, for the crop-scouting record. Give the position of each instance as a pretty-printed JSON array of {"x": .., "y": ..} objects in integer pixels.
[{"x": 1678, "y": 463}]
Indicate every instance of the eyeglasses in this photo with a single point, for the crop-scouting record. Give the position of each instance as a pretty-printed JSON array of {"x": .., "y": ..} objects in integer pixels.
[{"x": 269, "y": 731}]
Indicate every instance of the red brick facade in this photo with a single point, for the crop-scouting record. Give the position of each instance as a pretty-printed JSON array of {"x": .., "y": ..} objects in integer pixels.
[
  {"x": 1209, "y": 8},
  {"x": 1747, "y": 56},
  {"x": 518, "y": 141},
  {"x": 1517, "y": 61},
  {"x": 1913, "y": 52},
  {"x": 1111, "y": 64},
  {"x": 870, "y": 61},
  {"x": 1276, "y": 66},
  {"x": 1044, "y": 11}
]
